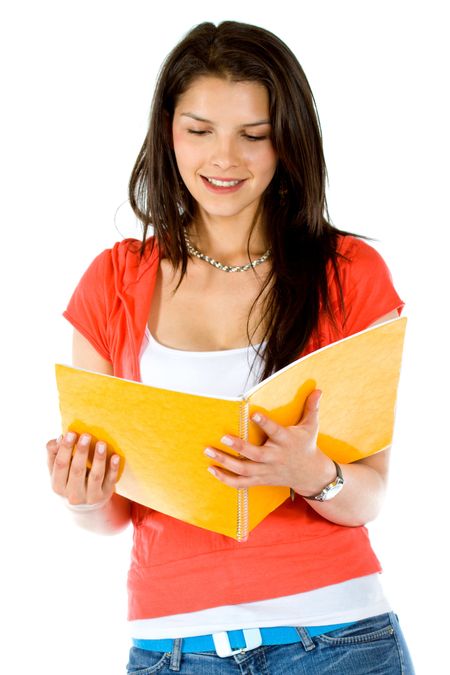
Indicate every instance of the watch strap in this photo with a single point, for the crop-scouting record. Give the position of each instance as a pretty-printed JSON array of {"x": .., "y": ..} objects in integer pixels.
[{"x": 333, "y": 487}]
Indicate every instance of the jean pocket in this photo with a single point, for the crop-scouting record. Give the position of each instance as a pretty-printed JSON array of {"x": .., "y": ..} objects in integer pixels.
[
  {"x": 144, "y": 662},
  {"x": 367, "y": 630}
]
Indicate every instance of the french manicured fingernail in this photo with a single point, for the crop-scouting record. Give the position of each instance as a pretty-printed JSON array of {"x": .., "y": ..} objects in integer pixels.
[
  {"x": 257, "y": 418},
  {"x": 101, "y": 448},
  {"x": 212, "y": 471},
  {"x": 115, "y": 460},
  {"x": 209, "y": 452},
  {"x": 226, "y": 440},
  {"x": 84, "y": 439},
  {"x": 70, "y": 437}
]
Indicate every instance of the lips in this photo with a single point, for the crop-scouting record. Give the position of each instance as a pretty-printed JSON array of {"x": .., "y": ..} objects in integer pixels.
[
  {"x": 223, "y": 182},
  {"x": 222, "y": 185}
]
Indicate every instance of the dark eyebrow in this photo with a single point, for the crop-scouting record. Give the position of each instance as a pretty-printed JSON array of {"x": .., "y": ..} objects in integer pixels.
[{"x": 201, "y": 119}]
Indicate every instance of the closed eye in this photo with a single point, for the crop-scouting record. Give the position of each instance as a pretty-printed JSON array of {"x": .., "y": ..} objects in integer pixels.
[{"x": 248, "y": 137}]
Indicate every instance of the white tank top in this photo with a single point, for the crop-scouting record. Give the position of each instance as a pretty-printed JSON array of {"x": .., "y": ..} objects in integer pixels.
[{"x": 229, "y": 373}]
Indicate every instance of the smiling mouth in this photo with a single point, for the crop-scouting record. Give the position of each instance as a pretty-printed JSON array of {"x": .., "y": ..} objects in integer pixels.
[{"x": 223, "y": 183}]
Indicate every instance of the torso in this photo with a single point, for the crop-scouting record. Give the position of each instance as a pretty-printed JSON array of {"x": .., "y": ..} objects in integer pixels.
[{"x": 209, "y": 310}]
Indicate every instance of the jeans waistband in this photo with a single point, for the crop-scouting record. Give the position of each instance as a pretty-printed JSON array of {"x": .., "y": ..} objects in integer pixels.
[{"x": 236, "y": 640}]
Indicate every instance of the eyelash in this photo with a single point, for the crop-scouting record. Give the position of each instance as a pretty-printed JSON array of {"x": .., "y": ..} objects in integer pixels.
[{"x": 249, "y": 138}]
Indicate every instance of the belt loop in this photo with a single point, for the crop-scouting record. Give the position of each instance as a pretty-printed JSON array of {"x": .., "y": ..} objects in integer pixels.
[
  {"x": 305, "y": 638},
  {"x": 175, "y": 659}
]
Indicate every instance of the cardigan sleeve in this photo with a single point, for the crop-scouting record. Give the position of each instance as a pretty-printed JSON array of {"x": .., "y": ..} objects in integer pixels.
[
  {"x": 89, "y": 307},
  {"x": 368, "y": 290}
]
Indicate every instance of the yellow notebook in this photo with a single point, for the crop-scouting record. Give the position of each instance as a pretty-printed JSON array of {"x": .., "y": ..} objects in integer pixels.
[{"x": 161, "y": 434}]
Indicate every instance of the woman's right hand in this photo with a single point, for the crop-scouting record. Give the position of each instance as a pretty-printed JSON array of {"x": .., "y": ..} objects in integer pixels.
[{"x": 70, "y": 476}]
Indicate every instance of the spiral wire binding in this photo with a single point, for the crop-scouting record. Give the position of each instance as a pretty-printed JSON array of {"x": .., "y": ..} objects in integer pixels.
[{"x": 242, "y": 510}]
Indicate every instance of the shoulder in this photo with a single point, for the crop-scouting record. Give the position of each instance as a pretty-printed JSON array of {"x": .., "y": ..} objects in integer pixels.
[
  {"x": 129, "y": 252},
  {"x": 357, "y": 255},
  {"x": 358, "y": 263},
  {"x": 113, "y": 274},
  {"x": 119, "y": 276},
  {"x": 365, "y": 281},
  {"x": 124, "y": 263}
]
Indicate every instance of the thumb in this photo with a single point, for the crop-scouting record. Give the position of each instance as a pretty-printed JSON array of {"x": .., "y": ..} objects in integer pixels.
[{"x": 311, "y": 410}]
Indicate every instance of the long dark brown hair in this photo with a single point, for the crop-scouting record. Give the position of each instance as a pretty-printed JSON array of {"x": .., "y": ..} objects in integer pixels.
[{"x": 293, "y": 207}]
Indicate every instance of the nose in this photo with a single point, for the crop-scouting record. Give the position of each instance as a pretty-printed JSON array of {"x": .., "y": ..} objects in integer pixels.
[{"x": 225, "y": 153}]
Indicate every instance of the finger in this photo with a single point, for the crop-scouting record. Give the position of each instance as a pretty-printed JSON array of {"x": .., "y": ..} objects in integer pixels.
[
  {"x": 112, "y": 475},
  {"x": 76, "y": 481},
  {"x": 96, "y": 476},
  {"x": 236, "y": 465},
  {"x": 52, "y": 450},
  {"x": 257, "y": 453},
  {"x": 61, "y": 464},
  {"x": 233, "y": 480},
  {"x": 274, "y": 431}
]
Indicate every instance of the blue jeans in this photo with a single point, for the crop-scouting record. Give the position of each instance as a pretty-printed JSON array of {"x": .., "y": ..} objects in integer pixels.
[{"x": 374, "y": 646}]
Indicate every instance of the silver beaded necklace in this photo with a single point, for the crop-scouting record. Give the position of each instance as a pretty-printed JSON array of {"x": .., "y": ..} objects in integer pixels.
[{"x": 225, "y": 268}]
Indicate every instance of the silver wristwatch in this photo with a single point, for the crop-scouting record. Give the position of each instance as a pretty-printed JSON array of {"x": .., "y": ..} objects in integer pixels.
[{"x": 330, "y": 490}]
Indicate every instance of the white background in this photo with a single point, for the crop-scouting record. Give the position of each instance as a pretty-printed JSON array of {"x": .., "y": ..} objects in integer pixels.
[{"x": 77, "y": 86}]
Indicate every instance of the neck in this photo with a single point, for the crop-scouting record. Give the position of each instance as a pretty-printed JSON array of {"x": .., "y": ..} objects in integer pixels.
[{"x": 227, "y": 239}]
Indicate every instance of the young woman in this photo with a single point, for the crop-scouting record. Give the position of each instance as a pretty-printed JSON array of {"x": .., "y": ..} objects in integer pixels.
[{"x": 243, "y": 275}]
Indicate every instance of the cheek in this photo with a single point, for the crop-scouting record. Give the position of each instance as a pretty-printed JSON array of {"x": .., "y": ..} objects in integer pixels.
[
  {"x": 273, "y": 161},
  {"x": 267, "y": 163},
  {"x": 186, "y": 154},
  {"x": 177, "y": 136},
  {"x": 264, "y": 160},
  {"x": 177, "y": 144}
]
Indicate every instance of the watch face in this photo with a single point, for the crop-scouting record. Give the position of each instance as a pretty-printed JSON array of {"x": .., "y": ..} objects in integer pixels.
[{"x": 331, "y": 491}]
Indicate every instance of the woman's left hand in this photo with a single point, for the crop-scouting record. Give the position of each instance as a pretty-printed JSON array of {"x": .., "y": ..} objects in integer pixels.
[{"x": 289, "y": 457}]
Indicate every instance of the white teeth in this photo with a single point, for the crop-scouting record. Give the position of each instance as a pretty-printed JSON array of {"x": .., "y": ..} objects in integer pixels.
[{"x": 223, "y": 183}]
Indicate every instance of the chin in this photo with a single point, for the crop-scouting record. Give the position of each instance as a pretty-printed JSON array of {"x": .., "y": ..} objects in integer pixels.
[
  {"x": 226, "y": 210},
  {"x": 221, "y": 213}
]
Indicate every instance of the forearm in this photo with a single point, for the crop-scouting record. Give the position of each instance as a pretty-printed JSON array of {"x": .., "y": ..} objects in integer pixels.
[
  {"x": 361, "y": 497},
  {"x": 111, "y": 518}
]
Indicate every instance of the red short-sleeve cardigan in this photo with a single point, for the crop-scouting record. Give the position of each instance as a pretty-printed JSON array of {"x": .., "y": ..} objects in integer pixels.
[{"x": 176, "y": 567}]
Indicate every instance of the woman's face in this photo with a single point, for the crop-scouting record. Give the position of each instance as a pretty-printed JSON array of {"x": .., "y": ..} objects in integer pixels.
[{"x": 222, "y": 143}]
